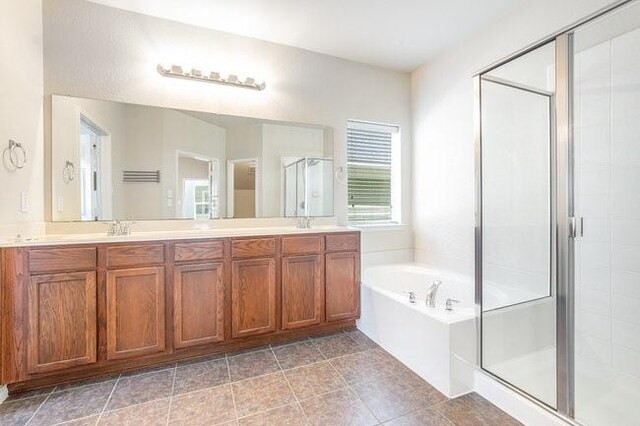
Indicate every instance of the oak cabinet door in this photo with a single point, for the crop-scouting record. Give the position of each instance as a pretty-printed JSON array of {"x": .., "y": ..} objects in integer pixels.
[
  {"x": 342, "y": 286},
  {"x": 302, "y": 291},
  {"x": 253, "y": 297},
  {"x": 62, "y": 321},
  {"x": 135, "y": 312},
  {"x": 198, "y": 304}
]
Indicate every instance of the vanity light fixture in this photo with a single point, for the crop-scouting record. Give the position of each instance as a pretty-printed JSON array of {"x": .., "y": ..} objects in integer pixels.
[{"x": 176, "y": 71}]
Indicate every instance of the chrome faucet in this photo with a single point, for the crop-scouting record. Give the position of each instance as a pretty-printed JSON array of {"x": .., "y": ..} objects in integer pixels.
[
  {"x": 117, "y": 228},
  {"x": 304, "y": 222},
  {"x": 431, "y": 294}
]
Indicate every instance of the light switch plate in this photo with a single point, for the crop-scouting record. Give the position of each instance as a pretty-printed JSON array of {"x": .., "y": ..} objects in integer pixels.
[{"x": 24, "y": 202}]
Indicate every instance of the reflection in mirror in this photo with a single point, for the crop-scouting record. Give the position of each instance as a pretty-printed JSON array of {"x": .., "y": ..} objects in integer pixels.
[{"x": 138, "y": 162}]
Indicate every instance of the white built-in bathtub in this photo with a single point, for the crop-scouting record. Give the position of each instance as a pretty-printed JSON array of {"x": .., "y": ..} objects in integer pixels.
[{"x": 437, "y": 344}]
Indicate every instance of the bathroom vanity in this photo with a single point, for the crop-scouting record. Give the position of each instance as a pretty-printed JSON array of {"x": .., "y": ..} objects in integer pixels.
[{"x": 75, "y": 310}]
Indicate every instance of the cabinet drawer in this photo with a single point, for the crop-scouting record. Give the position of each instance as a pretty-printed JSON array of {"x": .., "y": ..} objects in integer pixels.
[
  {"x": 62, "y": 259},
  {"x": 135, "y": 255},
  {"x": 201, "y": 250},
  {"x": 343, "y": 242},
  {"x": 302, "y": 245},
  {"x": 254, "y": 247}
]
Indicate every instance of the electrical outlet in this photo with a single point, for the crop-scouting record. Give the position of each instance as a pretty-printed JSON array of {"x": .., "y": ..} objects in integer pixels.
[
  {"x": 24, "y": 202},
  {"x": 60, "y": 203},
  {"x": 169, "y": 202}
]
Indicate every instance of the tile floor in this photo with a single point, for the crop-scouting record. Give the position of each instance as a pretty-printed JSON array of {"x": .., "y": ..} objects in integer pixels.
[{"x": 338, "y": 379}]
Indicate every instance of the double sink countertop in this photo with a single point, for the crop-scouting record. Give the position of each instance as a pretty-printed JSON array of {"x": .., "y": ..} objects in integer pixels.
[{"x": 99, "y": 238}]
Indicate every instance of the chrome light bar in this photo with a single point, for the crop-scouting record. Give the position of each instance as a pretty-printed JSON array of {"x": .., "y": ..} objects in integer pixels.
[{"x": 176, "y": 71}]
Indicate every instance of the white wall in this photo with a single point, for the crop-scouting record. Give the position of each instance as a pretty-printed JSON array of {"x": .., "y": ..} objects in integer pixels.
[
  {"x": 21, "y": 111},
  {"x": 302, "y": 86},
  {"x": 442, "y": 109}
]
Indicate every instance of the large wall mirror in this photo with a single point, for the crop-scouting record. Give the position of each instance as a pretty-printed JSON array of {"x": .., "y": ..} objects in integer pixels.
[{"x": 118, "y": 161}]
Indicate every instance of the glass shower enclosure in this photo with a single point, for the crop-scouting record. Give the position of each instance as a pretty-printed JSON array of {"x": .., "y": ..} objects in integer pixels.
[{"x": 558, "y": 219}]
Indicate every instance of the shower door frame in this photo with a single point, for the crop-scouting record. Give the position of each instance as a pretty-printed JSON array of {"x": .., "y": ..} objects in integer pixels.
[{"x": 562, "y": 212}]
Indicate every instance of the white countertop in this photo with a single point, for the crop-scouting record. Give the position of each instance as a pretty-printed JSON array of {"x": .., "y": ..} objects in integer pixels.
[{"x": 97, "y": 238}]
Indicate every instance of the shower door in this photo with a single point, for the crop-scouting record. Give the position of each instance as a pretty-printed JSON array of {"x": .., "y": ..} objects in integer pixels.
[
  {"x": 517, "y": 270},
  {"x": 558, "y": 219}
]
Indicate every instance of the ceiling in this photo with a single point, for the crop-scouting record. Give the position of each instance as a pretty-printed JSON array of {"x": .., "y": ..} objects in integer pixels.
[{"x": 393, "y": 34}]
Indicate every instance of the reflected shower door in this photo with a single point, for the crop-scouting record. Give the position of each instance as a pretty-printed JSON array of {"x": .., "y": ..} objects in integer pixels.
[
  {"x": 606, "y": 105},
  {"x": 518, "y": 301}
]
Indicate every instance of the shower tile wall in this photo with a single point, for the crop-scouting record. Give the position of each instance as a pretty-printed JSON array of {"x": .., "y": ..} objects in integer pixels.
[{"x": 607, "y": 136}]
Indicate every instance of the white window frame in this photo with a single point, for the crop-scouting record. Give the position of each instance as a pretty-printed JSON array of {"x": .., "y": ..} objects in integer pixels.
[{"x": 396, "y": 173}]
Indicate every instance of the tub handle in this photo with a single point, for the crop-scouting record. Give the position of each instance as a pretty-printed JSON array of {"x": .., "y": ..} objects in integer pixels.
[
  {"x": 412, "y": 296},
  {"x": 449, "y": 304}
]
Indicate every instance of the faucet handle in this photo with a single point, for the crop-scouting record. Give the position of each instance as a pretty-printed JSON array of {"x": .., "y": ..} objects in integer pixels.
[
  {"x": 412, "y": 296},
  {"x": 448, "y": 306}
]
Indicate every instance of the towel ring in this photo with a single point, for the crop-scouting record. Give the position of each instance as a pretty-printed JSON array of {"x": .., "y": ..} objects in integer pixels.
[
  {"x": 339, "y": 176},
  {"x": 69, "y": 171},
  {"x": 17, "y": 154}
]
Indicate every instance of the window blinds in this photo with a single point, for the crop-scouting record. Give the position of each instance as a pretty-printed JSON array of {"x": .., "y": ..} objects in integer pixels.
[{"x": 369, "y": 162}]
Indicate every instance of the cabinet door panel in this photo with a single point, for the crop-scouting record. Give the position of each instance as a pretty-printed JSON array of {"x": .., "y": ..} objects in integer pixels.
[
  {"x": 253, "y": 297},
  {"x": 198, "y": 304},
  {"x": 302, "y": 291},
  {"x": 342, "y": 286},
  {"x": 62, "y": 321},
  {"x": 135, "y": 312}
]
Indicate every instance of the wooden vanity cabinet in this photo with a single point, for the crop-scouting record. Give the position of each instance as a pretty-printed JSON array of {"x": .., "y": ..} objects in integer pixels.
[
  {"x": 78, "y": 311},
  {"x": 302, "y": 281},
  {"x": 60, "y": 309},
  {"x": 198, "y": 293},
  {"x": 342, "y": 283},
  {"x": 135, "y": 307},
  {"x": 62, "y": 321},
  {"x": 253, "y": 287},
  {"x": 135, "y": 312}
]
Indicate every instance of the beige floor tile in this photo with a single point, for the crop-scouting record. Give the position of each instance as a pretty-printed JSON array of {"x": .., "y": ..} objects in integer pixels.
[
  {"x": 426, "y": 417},
  {"x": 201, "y": 375},
  {"x": 252, "y": 364},
  {"x": 204, "y": 407},
  {"x": 288, "y": 415},
  {"x": 474, "y": 410},
  {"x": 315, "y": 379},
  {"x": 73, "y": 404},
  {"x": 153, "y": 413},
  {"x": 297, "y": 354},
  {"x": 336, "y": 345},
  {"x": 18, "y": 412},
  {"x": 141, "y": 388},
  {"x": 342, "y": 407},
  {"x": 394, "y": 395},
  {"x": 261, "y": 394}
]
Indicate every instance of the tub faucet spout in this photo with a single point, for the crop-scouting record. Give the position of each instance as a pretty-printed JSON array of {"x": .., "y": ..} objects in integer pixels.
[{"x": 431, "y": 294}]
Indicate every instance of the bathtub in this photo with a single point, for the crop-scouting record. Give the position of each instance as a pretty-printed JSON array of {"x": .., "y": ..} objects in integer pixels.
[{"x": 437, "y": 344}]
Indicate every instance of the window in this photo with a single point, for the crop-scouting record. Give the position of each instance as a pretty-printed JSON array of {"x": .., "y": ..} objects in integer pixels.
[
  {"x": 373, "y": 173},
  {"x": 201, "y": 201}
]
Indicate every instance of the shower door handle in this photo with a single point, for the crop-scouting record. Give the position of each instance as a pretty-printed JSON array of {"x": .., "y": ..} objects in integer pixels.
[{"x": 576, "y": 227}]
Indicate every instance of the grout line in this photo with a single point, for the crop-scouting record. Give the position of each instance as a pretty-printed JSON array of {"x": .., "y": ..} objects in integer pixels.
[
  {"x": 233, "y": 397},
  {"x": 109, "y": 399},
  {"x": 40, "y": 406},
  {"x": 173, "y": 386},
  {"x": 286, "y": 379}
]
